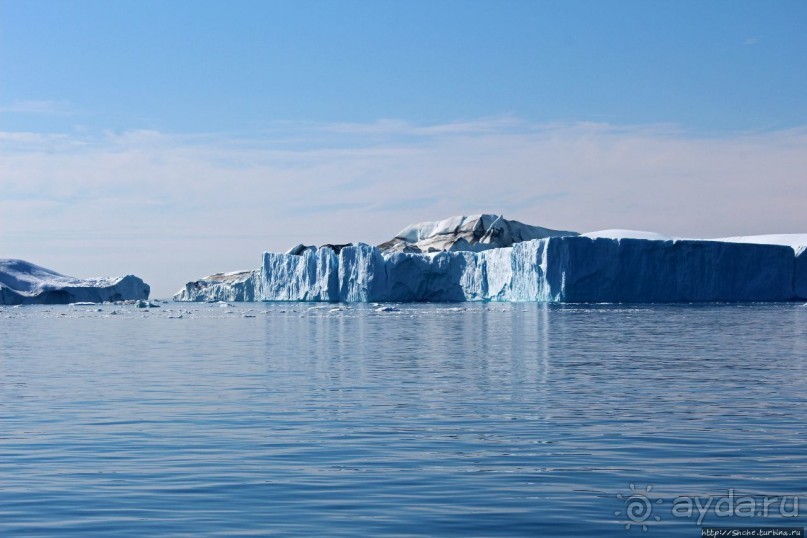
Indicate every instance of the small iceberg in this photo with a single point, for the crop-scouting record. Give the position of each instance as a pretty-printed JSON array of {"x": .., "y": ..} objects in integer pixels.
[{"x": 22, "y": 282}]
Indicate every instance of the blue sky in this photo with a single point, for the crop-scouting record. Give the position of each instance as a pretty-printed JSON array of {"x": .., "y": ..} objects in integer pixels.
[
  {"x": 199, "y": 66},
  {"x": 136, "y": 135}
]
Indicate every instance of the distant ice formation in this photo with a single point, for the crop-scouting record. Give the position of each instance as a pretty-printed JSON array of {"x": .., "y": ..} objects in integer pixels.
[
  {"x": 486, "y": 258},
  {"x": 22, "y": 282}
]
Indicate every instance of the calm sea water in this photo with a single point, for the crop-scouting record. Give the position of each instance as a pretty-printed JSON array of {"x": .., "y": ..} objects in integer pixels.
[{"x": 434, "y": 420}]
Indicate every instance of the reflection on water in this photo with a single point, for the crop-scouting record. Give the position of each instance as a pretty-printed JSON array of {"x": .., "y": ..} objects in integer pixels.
[{"x": 479, "y": 419}]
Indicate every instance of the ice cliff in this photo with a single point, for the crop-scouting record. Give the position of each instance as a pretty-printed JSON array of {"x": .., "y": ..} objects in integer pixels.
[
  {"x": 798, "y": 242},
  {"x": 22, "y": 282},
  {"x": 609, "y": 266}
]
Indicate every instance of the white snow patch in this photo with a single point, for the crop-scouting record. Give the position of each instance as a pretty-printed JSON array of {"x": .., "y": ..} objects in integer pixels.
[
  {"x": 798, "y": 242},
  {"x": 627, "y": 234}
]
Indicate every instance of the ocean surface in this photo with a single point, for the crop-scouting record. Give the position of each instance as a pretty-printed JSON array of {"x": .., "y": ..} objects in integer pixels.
[{"x": 422, "y": 420}]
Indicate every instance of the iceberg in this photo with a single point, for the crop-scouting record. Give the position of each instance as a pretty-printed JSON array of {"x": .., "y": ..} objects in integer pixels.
[
  {"x": 22, "y": 282},
  {"x": 610, "y": 266}
]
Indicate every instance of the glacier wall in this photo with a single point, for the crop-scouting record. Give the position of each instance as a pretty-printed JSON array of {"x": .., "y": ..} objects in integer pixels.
[
  {"x": 637, "y": 270},
  {"x": 310, "y": 276},
  {"x": 555, "y": 269}
]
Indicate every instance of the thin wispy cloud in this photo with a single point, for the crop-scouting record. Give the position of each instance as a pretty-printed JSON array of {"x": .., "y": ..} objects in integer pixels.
[
  {"x": 37, "y": 107},
  {"x": 405, "y": 128}
]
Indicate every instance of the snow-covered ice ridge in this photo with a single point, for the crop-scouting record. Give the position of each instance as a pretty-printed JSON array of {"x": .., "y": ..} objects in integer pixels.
[
  {"x": 474, "y": 233},
  {"x": 609, "y": 266},
  {"x": 23, "y": 282}
]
